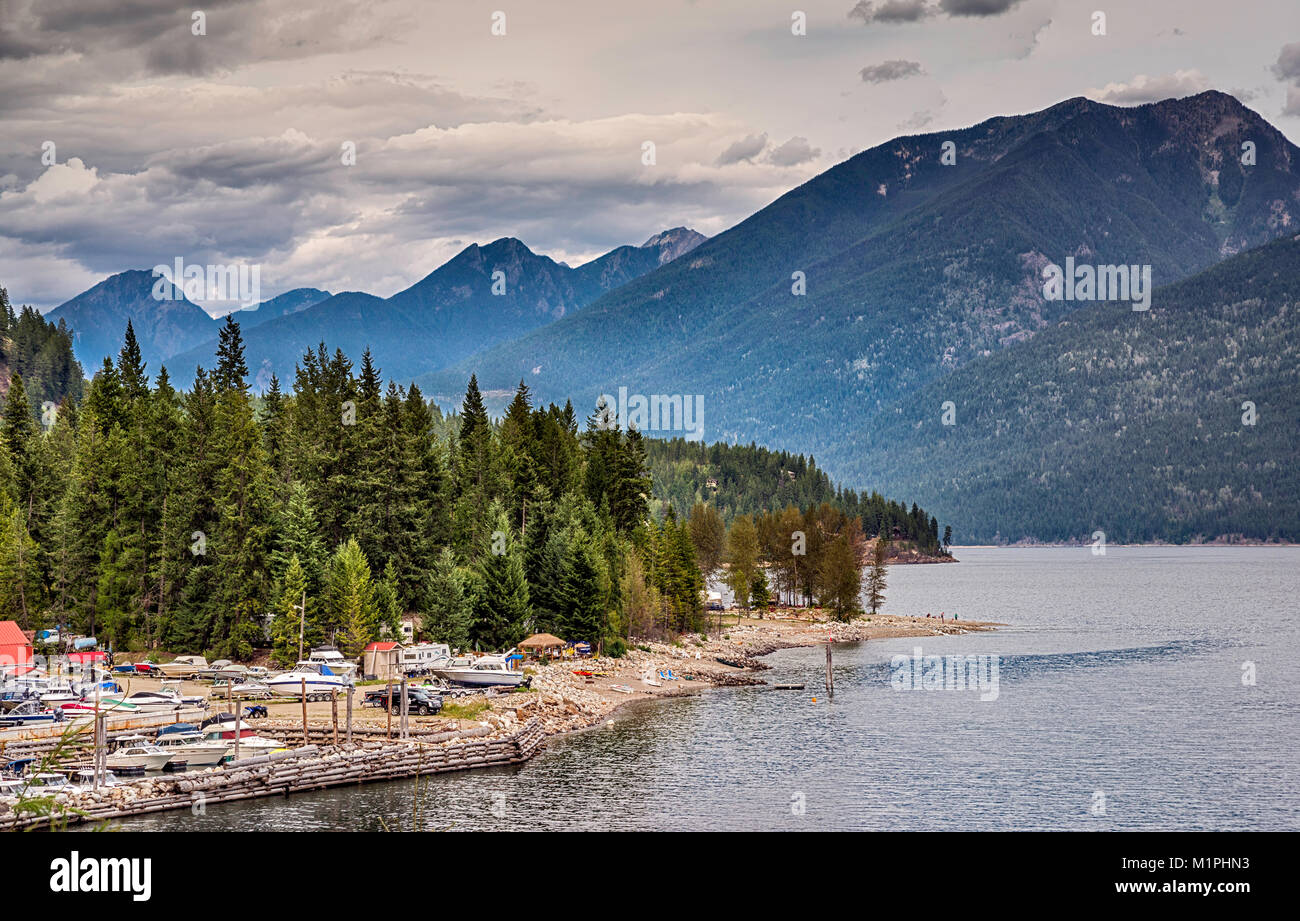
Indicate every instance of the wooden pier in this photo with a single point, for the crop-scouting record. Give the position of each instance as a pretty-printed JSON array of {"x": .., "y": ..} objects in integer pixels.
[{"x": 311, "y": 767}]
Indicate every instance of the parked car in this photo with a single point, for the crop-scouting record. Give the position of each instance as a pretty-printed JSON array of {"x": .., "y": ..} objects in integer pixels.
[{"x": 417, "y": 701}]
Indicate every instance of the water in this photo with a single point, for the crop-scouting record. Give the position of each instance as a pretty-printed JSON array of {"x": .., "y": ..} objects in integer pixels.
[{"x": 1120, "y": 687}]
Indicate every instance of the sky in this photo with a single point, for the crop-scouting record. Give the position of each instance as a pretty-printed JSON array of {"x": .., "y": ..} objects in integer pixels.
[{"x": 138, "y": 131}]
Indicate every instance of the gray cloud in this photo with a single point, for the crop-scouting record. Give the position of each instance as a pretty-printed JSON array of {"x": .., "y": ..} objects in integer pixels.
[
  {"x": 1288, "y": 62},
  {"x": 892, "y": 11},
  {"x": 976, "y": 7},
  {"x": 793, "y": 152},
  {"x": 744, "y": 150},
  {"x": 890, "y": 70}
]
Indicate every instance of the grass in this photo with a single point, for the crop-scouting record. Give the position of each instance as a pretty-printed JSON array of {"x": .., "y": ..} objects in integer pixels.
[{"x": 463, "y": 711}]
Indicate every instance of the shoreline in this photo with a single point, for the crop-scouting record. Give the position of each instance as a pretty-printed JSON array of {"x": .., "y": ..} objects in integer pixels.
[
  {"x": 504, "y": 728},
  {"x": 569, "y": 704}
]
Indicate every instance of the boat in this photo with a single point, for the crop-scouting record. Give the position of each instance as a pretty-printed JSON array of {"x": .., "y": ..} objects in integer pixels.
[
  {"x": 251, "y": 745},
  {"x": 486, "y": 671},
  {"x": 183, "y": 666},
  {"x": 193, "y": 747},
  {"x": 84, "y": 779},
  {"x": 239, "y": 690},
  {"x": 134, "y": 752},
  {"x": 315, "y": 678},
  {"x": 335, "y": 660},
  {"x": 29, "y": 712}
]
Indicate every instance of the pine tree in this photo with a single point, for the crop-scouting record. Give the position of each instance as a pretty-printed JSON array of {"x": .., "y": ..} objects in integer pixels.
[
  {"x": 350, "y": 607},
  {"x": 877, "y": 576},
  {"x": 502, "y": 612},
  {"x": 447, "y": 603},
  {"x": 287, "y": 621}
]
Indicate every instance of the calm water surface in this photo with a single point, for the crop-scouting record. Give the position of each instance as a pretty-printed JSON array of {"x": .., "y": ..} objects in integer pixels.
[{"x": 1120, "y": 687}]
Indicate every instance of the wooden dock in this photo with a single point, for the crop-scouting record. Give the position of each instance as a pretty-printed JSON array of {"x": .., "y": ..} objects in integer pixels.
[{"x": 311, "y": 767}]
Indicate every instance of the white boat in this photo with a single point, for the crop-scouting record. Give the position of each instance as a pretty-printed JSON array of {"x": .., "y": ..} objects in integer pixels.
[
  {"x": 136, "y": 755},
  {"x": 315, "y": 678},
  {"x": 183, "y": 666},
  {"x": 330, "y": 656},
  {"x": 193, "y": 748},
  {"x": 486, "y": 671},
  {"x": 251, "y": 745},
  {"x": 161, "y": 701},
  {"x": 85, "y": 779}
]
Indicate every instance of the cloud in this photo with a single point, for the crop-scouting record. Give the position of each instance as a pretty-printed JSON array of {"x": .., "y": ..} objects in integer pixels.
[
  {"x": 793, "y": 152},
  {"x": 1288, "y": 62},
  {"x": 900, "y": 11},
  {"x": 1143, "y": 88},
  {"x": 1292, "y": 106},
  {"x": 976, "y": 7},
  {"x": 891, "y": 11},
  {"x": 891, "y": 70},
  {"x": 744, "y": 150}
]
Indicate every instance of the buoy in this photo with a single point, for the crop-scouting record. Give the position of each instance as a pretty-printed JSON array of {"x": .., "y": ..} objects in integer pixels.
[{"x": 814, "y": 700}]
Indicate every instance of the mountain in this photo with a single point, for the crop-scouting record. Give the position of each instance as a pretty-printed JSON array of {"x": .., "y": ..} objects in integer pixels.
[
  {"x": 98, "y": 318},
  {"x": 459, "y": 308},
  {"x": 279, "y": 306},
  {"x": 1132, "y": 423},
  {"x": 912, "y": 269}
]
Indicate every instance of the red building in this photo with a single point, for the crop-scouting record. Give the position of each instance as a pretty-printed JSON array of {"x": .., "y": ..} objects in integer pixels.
[{"x": 15, "y": 652}]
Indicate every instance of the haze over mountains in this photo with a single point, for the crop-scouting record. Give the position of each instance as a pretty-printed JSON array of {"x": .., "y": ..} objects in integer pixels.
[{"x": 838, "y": 319}]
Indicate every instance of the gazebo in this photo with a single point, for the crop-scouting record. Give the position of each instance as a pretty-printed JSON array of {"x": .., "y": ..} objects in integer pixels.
[{"x": 542, "y": 644}]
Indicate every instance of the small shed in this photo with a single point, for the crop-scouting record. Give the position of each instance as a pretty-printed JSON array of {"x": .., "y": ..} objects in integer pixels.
[
  {"x": 542, "y": 644},
  {"x": 382, "y": 659},
  {"x": 16, "y": 652}
]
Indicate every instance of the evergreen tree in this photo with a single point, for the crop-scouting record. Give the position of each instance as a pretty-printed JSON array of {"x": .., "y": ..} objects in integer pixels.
[
  {"x": 350, "y": 607},
  {"x": 877, "y": 576},
  {"x": 447, "y": 603}
]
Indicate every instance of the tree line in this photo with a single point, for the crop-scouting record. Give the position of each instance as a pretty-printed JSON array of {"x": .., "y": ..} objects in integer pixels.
[{"x": 213, "y": 520}]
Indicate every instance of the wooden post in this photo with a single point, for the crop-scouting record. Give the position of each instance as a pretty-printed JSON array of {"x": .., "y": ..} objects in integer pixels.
[
  {"x": 334, "y": 710},
  {"x": 404, "y": 707},
  {"x": 230, "y": 698},
  {"x": 389, "y": 708},
  {"x": 304, "y": 710},
  {"x": 349, "y": 714},
  {"x": 830, "y": 681}
]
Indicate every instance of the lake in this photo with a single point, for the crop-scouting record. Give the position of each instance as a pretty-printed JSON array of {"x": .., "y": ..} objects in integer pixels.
[{"x": 1120, "y": 706}]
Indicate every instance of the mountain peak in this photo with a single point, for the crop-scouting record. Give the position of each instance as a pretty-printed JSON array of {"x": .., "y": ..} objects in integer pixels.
[{"x": 674, "y": 242}]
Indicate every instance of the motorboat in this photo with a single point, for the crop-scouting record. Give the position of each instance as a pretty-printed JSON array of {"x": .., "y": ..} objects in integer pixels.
[
  {"x": 183, "y": 666},
  {"x": 239, "y": 690},
  {"x": 135, "y": 753},
  {"x": 29, "y": 712},
  {"x": 84, "y": 779},
  {"x": 165, "y": 699},
  {"x": 193, "y": 747},
  {"x": 486, "y": 671},
  {"x": 335, "y": 660},
  {"x": 316, "y": 679},
  {"x": 251, "y": 745}
]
